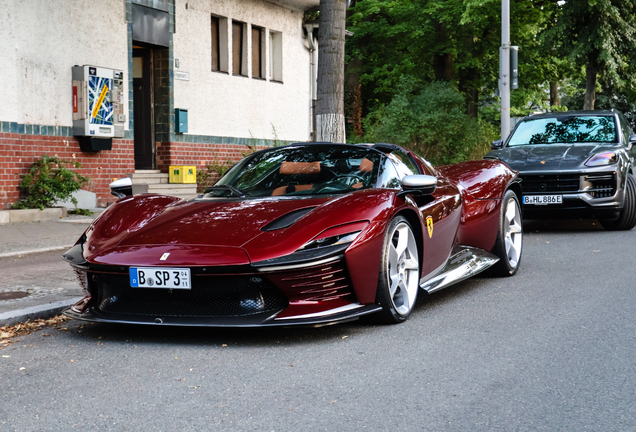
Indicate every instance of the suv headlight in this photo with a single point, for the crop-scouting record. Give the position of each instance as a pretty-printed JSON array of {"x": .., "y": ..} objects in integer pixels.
[{"x": 606, "y": 158}]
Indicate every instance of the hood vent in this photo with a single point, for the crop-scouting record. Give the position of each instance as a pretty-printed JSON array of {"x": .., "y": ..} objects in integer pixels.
[{"x": 286, "y": 220}]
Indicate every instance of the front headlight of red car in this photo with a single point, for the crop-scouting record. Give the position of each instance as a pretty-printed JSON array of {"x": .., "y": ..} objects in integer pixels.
[
  {"x": 330, "y": 241},
  {"x": 606, "y": 158},
  {"x": 338, "y": 235}
]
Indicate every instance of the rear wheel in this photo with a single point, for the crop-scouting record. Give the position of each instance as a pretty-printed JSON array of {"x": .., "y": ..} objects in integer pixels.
[
  {"x": 509, "y": 243},
  {"x": 627, "y": 218},
  {"x": 399, "y": 279}
]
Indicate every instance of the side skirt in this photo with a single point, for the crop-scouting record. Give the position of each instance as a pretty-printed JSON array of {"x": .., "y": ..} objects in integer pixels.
[{"x": 464, "y": 262}]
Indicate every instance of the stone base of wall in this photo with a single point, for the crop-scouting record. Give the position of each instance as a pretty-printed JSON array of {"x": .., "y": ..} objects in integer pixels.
[
  {"x": 32, "y": 215},
  {"x": 19, "y": 151}
]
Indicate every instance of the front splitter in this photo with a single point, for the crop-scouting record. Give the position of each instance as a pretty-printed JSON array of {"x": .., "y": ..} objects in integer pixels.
[{"x": 248, "y": 321}]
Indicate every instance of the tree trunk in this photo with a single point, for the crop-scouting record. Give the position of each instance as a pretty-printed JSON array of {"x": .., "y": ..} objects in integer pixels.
[
  {"x": 554, "y": 93},
  {"x": 330, "y": 121},
  {"x": 590, "y": 87},
  {"x": 443, "y": 63}
]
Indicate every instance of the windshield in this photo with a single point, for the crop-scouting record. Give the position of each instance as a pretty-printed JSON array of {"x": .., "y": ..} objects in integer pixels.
[
  {"x": 301, "y": 170},
  {"x": 565, "y": 129}
]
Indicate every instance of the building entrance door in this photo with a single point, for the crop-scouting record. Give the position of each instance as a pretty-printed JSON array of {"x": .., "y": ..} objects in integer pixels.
[{"x": 143, "y": 112}]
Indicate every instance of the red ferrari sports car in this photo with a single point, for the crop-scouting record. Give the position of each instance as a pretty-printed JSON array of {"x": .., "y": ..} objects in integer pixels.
[{"x": 306, "y": 234}]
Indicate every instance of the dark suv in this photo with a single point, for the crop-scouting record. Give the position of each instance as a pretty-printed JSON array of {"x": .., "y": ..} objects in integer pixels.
[{"x": 575, "y": 163}]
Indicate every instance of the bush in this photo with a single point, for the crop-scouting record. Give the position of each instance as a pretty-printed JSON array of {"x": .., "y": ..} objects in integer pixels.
[
  {"x": 430, "y": 121},
  {"x": 49, "y": 181}
]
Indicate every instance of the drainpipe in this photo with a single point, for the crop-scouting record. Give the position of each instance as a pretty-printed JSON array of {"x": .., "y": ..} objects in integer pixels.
[{"x": 313, "y": 64}]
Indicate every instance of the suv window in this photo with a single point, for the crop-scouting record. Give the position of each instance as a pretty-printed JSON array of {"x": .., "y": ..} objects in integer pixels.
[
  {"x": 625, "y": 127},
  {"x": 565, "y": 129}
]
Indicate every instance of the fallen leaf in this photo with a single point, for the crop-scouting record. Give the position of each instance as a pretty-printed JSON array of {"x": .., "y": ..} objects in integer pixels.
[
  {"x": 45, "y": 334},
  {"x": 224, "y": 345},
  {"x": 22, "y": 368},
  {"x": 6, "y": 356},
  {"x": 71, "y": 360},
  {"x": 345, "y": 337}
]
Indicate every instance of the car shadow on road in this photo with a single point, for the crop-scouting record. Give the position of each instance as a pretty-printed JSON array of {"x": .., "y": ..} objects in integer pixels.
[
  {"x": 561, "y": 225},
  {"x": 206, "y": 336}
]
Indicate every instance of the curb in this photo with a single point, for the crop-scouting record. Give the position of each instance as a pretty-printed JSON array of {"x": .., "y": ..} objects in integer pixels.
[
  {"x": 36, "y": 312},
  {"x": 32, "y": 251}
]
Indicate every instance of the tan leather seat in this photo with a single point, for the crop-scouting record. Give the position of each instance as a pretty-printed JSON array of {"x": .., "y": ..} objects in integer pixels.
[
  {"x": 366, "y": 165},
  {"x": 283, "y": 189}
]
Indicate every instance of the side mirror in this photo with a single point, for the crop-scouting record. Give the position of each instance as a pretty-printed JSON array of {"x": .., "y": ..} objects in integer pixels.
[
  {"x": 632, "y": 139},
  {"x": 121, "y": 188},
  {"x": 424, "y": 184},
  {"x": 496, "y": 144}
]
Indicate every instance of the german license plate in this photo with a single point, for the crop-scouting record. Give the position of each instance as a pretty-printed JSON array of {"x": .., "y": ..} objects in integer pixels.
[
  {"x": 160, "y": 277},
  {"x": 543, "y": 199}
]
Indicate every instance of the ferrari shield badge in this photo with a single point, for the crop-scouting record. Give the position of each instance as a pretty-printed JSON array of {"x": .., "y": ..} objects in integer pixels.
[{"x": 429, "y": 225}]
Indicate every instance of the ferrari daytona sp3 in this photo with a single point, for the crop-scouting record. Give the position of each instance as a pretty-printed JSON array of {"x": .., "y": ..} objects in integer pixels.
[{"x": 306, "y": 234}]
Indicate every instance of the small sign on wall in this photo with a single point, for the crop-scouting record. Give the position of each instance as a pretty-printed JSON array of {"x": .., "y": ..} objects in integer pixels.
[{"x": 183, "y": 76}]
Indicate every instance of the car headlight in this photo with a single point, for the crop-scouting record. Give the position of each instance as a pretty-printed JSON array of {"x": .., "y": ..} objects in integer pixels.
[
  {"x": 606, "y": 158},
  {"x": 330, "y": 241}
]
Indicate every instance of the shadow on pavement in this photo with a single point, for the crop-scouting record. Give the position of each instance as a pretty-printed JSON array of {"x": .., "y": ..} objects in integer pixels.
[{"x": 561, "y": 225}]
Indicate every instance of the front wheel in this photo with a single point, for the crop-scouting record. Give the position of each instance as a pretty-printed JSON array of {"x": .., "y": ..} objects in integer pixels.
[
  {"x": 399, "y": 279},
  {"x": 627, "y": 218},
  {"x": 509, "y": 243}
]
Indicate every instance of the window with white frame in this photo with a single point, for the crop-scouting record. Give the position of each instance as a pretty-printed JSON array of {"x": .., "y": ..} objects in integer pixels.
[
  {"x": 258, "y": 52},
  {"x": 219, "y": 49},
  {"x": 239, "y": 48},
  {"x": 275, "y": 56}
]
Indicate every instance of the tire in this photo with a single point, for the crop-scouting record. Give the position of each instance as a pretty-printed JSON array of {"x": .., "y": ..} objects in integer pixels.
[
  {"x": 509, "y": 243},
  {"x": 399, "y": 279},
  {"x": 627, "y": 218}
]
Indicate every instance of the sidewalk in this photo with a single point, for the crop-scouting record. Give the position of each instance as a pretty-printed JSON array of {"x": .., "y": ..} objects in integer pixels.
[{"x": 23, "y": 247}]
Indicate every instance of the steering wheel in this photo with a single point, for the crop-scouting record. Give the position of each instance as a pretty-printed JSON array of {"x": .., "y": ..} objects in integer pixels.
[{"x": 348, "y": 179}]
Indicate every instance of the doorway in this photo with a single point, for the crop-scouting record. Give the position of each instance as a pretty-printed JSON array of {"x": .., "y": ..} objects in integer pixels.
[{"x": 143, "y": 111}]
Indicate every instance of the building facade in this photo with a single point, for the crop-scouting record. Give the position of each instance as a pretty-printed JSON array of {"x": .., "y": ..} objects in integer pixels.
[{"x": 236, "y": 72}]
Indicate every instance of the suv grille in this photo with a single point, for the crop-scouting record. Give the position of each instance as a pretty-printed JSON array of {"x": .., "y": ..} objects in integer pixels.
[
  {"x": 218, "y": 296},
  {"x": 550, "y": 183}
]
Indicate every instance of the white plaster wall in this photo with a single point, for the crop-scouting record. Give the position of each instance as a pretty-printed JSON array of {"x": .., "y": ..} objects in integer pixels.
[
  {"x": 40, "y": 41},
  {"x": 221, "y": 104}
]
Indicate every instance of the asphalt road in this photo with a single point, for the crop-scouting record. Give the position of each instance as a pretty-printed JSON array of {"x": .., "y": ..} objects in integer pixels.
[
  {"x": 551, "y": 349},
  {"x": 40, "y": 275}
]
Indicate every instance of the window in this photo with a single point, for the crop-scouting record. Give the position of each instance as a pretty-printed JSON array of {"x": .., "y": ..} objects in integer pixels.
[
  {"x": 219, "y": 44},
  {"x": 258, "y": 49},
  {"x": 565, "y": 129},
  {"x": 239, "y": 51},
  {"x": 276, "y": 56},
  {"x": 403, "y": 163}
]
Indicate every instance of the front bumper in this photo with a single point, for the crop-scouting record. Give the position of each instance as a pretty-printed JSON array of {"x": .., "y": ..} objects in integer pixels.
[
  {"x": 314, "y": 290},
  {"x": 596, "y": 192}
]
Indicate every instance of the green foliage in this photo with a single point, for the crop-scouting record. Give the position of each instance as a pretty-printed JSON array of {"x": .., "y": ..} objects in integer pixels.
[
  {"x": 80, "y": 211},
  {"x": 430, "y": 120},
  {"x": 49, "y": 181},
  {"x": 213, "y": 171},
  {"x": 598, "y": 33}
]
